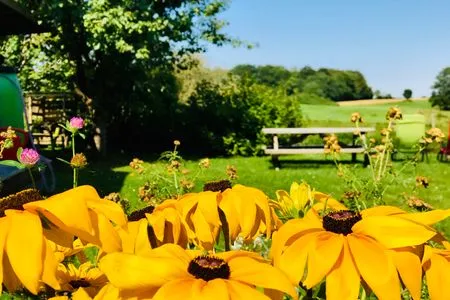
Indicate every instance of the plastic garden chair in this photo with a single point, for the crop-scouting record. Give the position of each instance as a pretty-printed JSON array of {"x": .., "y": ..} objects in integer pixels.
[
  {"x": 444, "y": 153},
  {"x": 408, "y": 133}
]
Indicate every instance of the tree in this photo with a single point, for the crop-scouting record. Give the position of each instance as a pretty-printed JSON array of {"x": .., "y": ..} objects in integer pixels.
[
  {"x": 441, "y": 90},
  {"x": 407, "y": 93},
  {"x": 110, "y": 53}
]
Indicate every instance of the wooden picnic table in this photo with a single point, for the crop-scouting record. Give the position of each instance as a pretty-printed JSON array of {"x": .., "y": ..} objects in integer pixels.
[{"x": 276, "y": 150}]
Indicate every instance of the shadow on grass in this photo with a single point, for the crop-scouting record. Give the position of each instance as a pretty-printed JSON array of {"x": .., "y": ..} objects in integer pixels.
[
  {"x": 312, "y": 163},
  {"x": 99, "y": 173}
]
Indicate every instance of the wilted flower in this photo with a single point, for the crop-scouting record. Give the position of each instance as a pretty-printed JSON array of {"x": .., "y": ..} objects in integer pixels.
[
  {"x": 136, "y": 164},
  {"x": 231, "y": 172},
  {"x": 356, "y": 117},
  {"x": 372, "y": 140},
  {"x": 78, "y": 161},
  {"x": 331, "y": 144},
  {"x": 76, "y": 123},
  {"x": 385, "y": 131},
  {"x": 394, "y": 113},
  {"x": 8, "y": 134},
  {"x": 435, "y": 134},
  {"x": 422, "y": 181},
  {"x": 204, "y": 163},
  {"x": 175, "y": 164},
  {"x": 187, "y": 184},
  {"x": 176, "y": 143},
  {"x": 418, "y": 204},
  {"x": 29, "y": 157}
]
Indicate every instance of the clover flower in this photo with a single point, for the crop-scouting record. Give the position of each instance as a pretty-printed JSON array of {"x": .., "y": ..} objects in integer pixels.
[
  {"x": 76, "y": 123},
  {"x": 28, "y": 157}
]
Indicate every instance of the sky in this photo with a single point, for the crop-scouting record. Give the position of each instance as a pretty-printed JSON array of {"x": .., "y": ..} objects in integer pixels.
[{"x": 396, "y": 44}]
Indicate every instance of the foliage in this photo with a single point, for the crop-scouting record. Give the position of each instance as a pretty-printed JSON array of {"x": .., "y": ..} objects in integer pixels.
[
  {"x": 441, "y": 90},
  {"x": 407, "y": 93},
  {"x": 117, "y": 55},
  {"x": 228, "y": 118},
  {"x": 333, "y": 84}
]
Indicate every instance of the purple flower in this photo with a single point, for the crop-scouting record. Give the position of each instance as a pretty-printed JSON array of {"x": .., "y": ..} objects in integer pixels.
[
  {"x": 29, "y": 157},
  {"x": 76, "y": 123}
]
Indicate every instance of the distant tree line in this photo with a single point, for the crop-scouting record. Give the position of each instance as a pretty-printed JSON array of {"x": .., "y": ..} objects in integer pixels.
[{"x": 336, "y": 85}]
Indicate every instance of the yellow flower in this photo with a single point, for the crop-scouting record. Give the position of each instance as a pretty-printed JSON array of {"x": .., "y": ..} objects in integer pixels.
[
  {"x": 163, "y": 225},
  {"x": 62, "y": 252},
  {"x": 170, "y": 272},
  {"x": 86, "y": 276},
  {"x": 200, "y": 212},
  {"x": 80, "y": 212},
  {"x": 347, "y": 247},
  {"x": 106, "y": 292},
  {"x": 301, "y": 198},
  {"x": 248, "y": 212},
  {"x": 26, "y": 255},
  {"x": 436, "y": 264}
]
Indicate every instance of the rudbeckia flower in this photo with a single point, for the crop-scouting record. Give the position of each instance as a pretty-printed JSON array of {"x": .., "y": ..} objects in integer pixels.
[
  {"x": 80, "y": 212},
  {"x": 26, "y": 255},
  {"x": 170, "y": 272},
  {"x": 200, "y": 211},
  {"x": 436, "y": 264},
  {"x": 248, "y": 212},
  {"x": 299, "y": 199},
  {"x": 347, "y": 247},
  {"x": 86, "y": 276},
  {"x": 163, "y": 225}
]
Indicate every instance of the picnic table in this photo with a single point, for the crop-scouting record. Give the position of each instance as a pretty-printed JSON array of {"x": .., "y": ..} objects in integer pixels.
[{"x": 275, "y": 151}]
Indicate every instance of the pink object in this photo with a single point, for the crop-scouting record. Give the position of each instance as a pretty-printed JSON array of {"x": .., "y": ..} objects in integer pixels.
[
  {"x": 77, "y": 122},
  {"x": 29, "y": 157}
]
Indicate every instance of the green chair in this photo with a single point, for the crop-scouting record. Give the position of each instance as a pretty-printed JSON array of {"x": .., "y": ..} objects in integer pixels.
[{"x": 408, "y": 133}]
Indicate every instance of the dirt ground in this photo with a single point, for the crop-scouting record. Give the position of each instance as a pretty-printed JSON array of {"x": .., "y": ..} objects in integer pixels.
[{"x": 375, "y": 101}]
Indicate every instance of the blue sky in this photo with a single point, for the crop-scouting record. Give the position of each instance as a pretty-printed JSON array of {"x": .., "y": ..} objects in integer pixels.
[{"x": 396, "y": 44}]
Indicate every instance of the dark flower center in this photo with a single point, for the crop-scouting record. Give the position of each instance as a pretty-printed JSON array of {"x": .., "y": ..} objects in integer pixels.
[
  {"x": 341, "y": 221},
  {"x": 79, "y": 283},
  {"x": 217, "y": 186},
  {"x": 140, "y": 214},
  {"x": 209, "y": 267},
  {"x": 16, "y": 200}
]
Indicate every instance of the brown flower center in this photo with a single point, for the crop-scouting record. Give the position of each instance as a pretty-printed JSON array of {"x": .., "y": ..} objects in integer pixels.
[
  {"x": 209, "y": 267},
  {"x": 79, "y": 283},
  {"x": 140, "y": 214},
  {"x": 217, "y": 186},
  {"x": 15, "y": 201},
  {"x": 341, "y": 221}
]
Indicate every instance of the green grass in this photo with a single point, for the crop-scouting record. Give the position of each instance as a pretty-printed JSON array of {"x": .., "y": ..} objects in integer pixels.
[{"x": 320, "y": 115}]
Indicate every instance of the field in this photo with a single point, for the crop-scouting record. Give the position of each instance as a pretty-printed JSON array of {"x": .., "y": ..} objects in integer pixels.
[{"x": 318, "y": 171}]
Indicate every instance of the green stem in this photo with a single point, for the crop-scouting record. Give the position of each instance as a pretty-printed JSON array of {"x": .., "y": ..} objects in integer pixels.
[
  {"x": 225, "y": 230},
  {"x": 75, "y": 177},
  {"x": 32, "y": 178},
  {"x": 73, "y": 144}
]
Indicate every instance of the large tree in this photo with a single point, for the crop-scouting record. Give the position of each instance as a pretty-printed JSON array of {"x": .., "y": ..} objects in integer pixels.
[
  {"x": 116, "y": 54},
  {"x": 441, "y": 90}
]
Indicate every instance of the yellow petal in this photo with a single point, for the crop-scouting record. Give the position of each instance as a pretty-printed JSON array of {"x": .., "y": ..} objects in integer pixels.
[
  {"x": 176, "y": 290},
  {"x": 227, "y": 205},
  {"x": 343, "y": 280},
  {"x": 204, "y": 232},
  {"x": 240, "y": 291},
  {"x": 288, "y": 233},
  {"x": 428, "y": 218},
  {"x": 375, "y": 266},
  {"x": 4, "y": 228},
  {"x": 437, "y": 275},
  {"x": 106, "y": 237},
  {"x": 393, "y": 232},
  {"x": 410, "y": 269},
  {"x": 381, "y": 210},
  {"x": 10, "y": 280},
  {"x": 252, "y": 272},
  {"x": 207, "y": 290},
  {"x": 300, "y": 194},
  {"x": 50, "y": 265},
  {"x": 127, "y": 271},
  {"x": 66, "y": 209},
  {"x": 208, "y": 206},
  {"x": 80, "y": 294},
  {"x": 111, "y": 210},
  {"x": 324, "y": 254},
  {"x": 246, "y": 211},
  {"x": 25, "y": 248}
]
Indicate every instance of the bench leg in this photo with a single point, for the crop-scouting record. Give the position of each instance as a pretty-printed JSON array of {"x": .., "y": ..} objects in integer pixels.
[{"x": 276, "y": 161}]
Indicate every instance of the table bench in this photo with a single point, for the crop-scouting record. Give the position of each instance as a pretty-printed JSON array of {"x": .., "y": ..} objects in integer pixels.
[{"x": 276, "y": 150}]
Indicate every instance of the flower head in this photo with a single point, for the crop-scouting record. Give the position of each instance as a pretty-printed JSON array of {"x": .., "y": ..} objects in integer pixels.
[
  {"x": 28, "y": 157},
  {"x": 76, "y": 123},
  {"x": 170, "y": 272},
  {"x": 375, "y": 246},
  {"x": 85, "y": 276},
  {"x": 176, "y": 143},
  {"x": 356, "y": 117},
  {"x": 78, "y": 161},
  {"x": 394, "y": 113},
  {"x": 436, "y": 263}
]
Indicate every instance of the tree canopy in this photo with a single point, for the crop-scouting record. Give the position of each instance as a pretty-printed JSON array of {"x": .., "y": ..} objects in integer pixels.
[
  {"x": 407, "y": 93},
  {"x": 441, "y": 90}
]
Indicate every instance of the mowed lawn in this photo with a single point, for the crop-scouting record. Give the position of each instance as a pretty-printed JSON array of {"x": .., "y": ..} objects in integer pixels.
[{"x": 113, "y": 174}]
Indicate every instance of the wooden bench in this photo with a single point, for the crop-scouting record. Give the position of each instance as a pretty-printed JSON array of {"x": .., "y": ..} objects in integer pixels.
[{"x": 276, "y": 150}]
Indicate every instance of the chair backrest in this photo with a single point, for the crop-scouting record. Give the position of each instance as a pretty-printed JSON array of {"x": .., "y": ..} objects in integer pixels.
[{"x": 409, "y": 130}]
